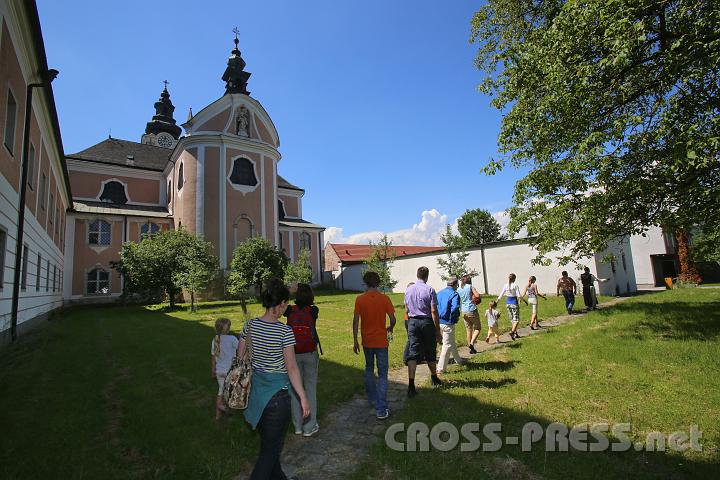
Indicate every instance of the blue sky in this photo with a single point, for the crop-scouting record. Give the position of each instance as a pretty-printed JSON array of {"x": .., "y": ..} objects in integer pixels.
[{"x": 376, "y": 102}]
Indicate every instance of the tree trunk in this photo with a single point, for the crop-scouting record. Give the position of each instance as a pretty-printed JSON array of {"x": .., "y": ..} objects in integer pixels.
[
  {"x": 688, "y": 272},
  {"x": 192, "y": 301},
  {"x": 171, "y": 296},
  {"x": 243, "y": 304}
]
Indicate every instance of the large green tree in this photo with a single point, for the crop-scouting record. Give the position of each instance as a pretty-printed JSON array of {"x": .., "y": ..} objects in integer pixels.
[
  {"x": 198, "y": 268},
  {"x": 254, "y": 262},
  {"x": 614, "y": 105},
  {"x": 380, "y": 261},
  {"x": 166, "y": 261},
  {"x": 478, "y": 226}
]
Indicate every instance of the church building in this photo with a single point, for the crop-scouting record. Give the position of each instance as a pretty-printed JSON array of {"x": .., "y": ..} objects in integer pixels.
[
  {"x": 64, "y": 217},
  {"x": 219, "y": 180}
]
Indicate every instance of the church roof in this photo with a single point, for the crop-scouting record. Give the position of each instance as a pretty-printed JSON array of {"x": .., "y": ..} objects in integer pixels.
[
  {"x": 125, "y": 153},
  {"x": 354, "y": 253},
  {"x": 299, "y": 223},
  {"x": 282, "y": 183},
  {"x": 102, "y": 208}
]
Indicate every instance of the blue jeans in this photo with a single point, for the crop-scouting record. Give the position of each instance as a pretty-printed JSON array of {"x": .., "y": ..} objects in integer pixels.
[
  {"x": 376, "y": 391},
  {"x": 273, "y": 426},
  {"x": 569, "y": 300}
]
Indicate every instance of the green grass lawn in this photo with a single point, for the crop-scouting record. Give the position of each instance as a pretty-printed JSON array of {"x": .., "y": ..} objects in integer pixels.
[
  {"x": 125, "y": 392},
  {"x": 651, "y": 361}
]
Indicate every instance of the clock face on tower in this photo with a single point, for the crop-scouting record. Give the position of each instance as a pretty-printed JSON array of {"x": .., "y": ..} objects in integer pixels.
[{"x": 164, "y": 140}]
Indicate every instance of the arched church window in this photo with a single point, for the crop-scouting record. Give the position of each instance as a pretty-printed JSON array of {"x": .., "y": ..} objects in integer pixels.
[
  {"x": 148, "y": 229},
  {"x": 304, "y": 241},
  {"x": 98, "y": 282},
  {"x": 99, "y": 233},
  {"x": 243, "y": 229},
  {"x": 114, "y": 192},
  {"x": 281, "y": 210},
  {"x": 181, "y": 176},
  {"x": 243, "y": 172}
]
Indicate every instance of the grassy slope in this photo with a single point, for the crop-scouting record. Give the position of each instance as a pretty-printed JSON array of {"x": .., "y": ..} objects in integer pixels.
[
  {"x": 651, "y": 361},
  {"x": 125, "y": 392}
]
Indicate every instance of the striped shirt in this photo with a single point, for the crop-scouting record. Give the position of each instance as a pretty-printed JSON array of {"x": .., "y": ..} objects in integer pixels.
[{"x": 268, "y": 341}]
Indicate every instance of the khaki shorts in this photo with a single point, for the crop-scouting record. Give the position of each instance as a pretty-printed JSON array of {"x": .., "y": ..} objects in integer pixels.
[{"x": 472, "y": 320}]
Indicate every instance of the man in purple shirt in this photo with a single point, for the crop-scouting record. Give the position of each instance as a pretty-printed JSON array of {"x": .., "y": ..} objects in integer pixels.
[{"x": 423, "y": 328}]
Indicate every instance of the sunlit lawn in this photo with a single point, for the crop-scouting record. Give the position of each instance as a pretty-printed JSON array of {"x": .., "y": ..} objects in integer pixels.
[
  {"x": 125, "y": 392},
  {"x": 651, "y": 361}
]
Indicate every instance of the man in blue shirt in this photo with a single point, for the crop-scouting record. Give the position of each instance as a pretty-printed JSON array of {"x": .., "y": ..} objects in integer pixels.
[{"x": 449, "y": 312}]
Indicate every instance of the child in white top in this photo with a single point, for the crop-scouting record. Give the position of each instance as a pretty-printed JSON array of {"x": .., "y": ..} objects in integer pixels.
[
  {"x": 222, "y": 352},
  {"x": 492, "y": 316}
]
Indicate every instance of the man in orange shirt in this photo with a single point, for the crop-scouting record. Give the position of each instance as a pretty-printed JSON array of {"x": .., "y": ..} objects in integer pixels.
[{"x": 370, "y": 310}]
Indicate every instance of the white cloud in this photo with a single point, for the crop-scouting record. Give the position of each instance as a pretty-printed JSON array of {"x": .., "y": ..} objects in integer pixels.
[{"x": 426, "y": 232}]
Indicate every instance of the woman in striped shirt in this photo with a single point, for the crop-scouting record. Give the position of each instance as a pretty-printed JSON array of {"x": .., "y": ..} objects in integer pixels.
[{"x": 274, "y": 369}]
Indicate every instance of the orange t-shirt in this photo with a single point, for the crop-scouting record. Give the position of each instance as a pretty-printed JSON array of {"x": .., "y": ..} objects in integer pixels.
[{"x": 372, "y": 307}]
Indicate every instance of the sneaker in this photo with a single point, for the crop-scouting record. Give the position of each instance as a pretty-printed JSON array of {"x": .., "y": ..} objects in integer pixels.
[
  {"x": 437, "y": 382},
  {"x": 298, "y": 432},
  {"x": 487, "y": 340},
  {"x": 472, "y": 350},
  {"x": 383, "y": 415},
  {"x": 313, "y": 431},
  {"x": 411, "y": 391}
]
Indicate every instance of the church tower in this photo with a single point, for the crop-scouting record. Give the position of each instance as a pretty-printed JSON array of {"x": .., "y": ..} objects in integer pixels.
[
  {"x": 162, "y": 131},
  {"x": 235, "y": 76}
]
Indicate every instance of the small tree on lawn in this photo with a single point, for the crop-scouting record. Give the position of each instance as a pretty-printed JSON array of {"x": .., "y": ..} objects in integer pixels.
[
  {"x": 380, "y": 261},
  {"x": 254, "y": 262},
  {"x": 299, "y": 271},
  {"x": 455, "y": 265},
  {"x": 199, "y": 268},
  {"x": 159, "y": 261}
]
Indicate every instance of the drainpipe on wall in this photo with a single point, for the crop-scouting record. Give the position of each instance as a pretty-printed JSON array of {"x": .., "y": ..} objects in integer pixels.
[
  {"x": 47, "y": 77},
  {"x": 482, "y": 255}
]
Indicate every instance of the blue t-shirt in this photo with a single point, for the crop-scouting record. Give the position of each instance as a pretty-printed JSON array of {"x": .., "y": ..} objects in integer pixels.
[
  {"x": 448, "y": 306},
  {"x": 466, "y": 298}
]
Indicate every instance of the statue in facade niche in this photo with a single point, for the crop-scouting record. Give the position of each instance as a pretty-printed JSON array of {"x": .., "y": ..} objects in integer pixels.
[{"x": 242, "y": 122}]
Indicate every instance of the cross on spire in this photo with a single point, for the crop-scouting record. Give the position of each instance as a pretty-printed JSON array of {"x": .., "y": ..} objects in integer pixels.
[
  {"x": 165, "y": 82},
  {"x": 236, "y": 31}
]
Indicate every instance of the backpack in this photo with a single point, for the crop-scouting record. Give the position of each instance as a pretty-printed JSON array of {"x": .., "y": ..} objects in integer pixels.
[{"x": 303, "y": 325}]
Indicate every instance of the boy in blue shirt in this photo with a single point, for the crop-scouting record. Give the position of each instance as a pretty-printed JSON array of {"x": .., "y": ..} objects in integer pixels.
[{"x": 449, "y": 313}]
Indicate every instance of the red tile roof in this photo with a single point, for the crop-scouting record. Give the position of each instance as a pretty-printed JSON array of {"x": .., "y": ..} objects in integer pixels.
[{"x": 350, "y": 252}]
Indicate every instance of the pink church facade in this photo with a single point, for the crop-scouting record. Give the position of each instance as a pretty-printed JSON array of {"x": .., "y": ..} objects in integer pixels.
[
  {"x": 219, "y": 180},
  {"x": 64, "y": 217}
]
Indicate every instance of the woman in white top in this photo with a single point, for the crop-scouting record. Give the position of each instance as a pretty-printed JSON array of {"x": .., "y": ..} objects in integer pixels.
[
  {"x": 532, "y": 292},
  {"x": 512, "y": 302}
]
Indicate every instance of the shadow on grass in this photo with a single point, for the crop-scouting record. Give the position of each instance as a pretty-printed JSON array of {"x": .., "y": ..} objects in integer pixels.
[
  {"x": 491, "y": 365},
  {"x": 675, "y": 320},
  {"x": 434, "y": 406},
  {"x": 480, "y": 383},
  {"x": 134, "y": 387}
]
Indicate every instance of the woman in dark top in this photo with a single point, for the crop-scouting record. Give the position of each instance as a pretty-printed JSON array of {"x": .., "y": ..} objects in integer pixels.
[{"x": 302, "y": 317}]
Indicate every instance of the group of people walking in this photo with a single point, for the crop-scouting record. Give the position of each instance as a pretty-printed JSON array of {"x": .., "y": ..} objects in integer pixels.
[{"x": 285, "y": 358}]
